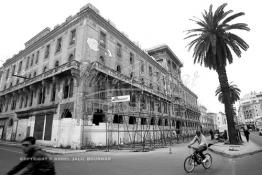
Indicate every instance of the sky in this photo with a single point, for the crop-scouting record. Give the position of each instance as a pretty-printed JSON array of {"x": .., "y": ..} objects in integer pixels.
[{"x": 150, "y": 23}]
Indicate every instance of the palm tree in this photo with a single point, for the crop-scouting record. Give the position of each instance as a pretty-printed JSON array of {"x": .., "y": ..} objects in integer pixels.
[
  {"x": 213, "y": 43},
  {"x": 234, "y": 93}
]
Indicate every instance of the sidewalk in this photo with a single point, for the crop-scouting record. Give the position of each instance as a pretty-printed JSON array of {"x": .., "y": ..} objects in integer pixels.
[
  {"x": 235, "y": 151},
  {"x": 50, "y": 150}
]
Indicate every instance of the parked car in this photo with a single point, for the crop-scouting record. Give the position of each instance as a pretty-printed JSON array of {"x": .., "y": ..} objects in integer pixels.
[{"x": 260, "y": 131}]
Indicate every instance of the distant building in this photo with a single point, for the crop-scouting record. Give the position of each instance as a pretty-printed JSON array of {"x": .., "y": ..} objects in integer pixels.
[
  {"x": 250, "y": 109},
  {"x": 221, "y": 121}
]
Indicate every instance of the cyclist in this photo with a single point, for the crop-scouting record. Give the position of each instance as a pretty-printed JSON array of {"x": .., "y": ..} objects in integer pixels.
[{"x": 202, "y": 145}]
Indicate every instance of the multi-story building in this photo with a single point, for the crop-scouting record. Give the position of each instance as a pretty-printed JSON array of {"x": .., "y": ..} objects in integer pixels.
[
  {"x": 221, "y": 121},
  {"x": 250, "y": 109},
  {"x": 212, "y": 120},
  {"x": 63, "y": 88}
]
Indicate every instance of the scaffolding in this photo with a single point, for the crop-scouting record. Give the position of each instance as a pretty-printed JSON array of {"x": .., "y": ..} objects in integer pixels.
[{"x": 132, "y": 126}]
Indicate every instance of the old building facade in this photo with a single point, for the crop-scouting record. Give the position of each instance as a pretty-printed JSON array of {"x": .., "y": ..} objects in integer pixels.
[{"x": 59, "y": 88}]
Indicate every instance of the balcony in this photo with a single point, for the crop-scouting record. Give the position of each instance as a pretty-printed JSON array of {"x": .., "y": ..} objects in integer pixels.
[{"x": 62, "y": 68}]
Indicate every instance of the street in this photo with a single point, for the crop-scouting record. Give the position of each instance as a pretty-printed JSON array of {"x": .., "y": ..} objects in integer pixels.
[{"x": 148, "y": 163}]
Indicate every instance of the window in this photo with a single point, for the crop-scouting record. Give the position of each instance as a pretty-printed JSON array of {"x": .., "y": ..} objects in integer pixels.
[
  {"x": 56, "y": 64},
  {"x": 102, "y": 42},
  {"x": 143, "y": 102},
  {"x": 31, "y": 98},
  {"x": 13, "y": 71},
  {"x": 13, "y": 106},
  {"x": 43, "y": 127},
  {"x": 72, "y": 37},
  {"x": 131, "y": 58},
  {"x": 119, "y": 50},
  {"x": 150, "y": 71},
  {"x": 17, "y": 81},
  {"x": 58, "y": 45},
  {"x": 131, "y": 74},
  {"x": 143, "y": 121},
  {"x": 37, "y": 57},
  {"x": 26, "y": 100},
  {"x": 66, "y": 89},
  {"x": 132, "y": 120},
  {"x": 159, "y": 122},
  {"x": 41, "y": 95},
  {"x": 45, "y": 69},
  {"x": 34, "y": 74},
  {"x": 152, "y": 105},
  {"x": 71, "y": 88},
  {"x": 71, "y": 56},
  {"x": 7, "y": 74},
  {"x": 21, "y": 102},
  {"x": 159, "y": 107},
  {"x": 32, "y": 60},
  {"x": 118, "y": 68},
  {"x": 27, "y": 62},
  {"x": 142, "y": 67},
  {"x": 132, "y": 99},
  {"x": 118, "y": 119},
  {"x": 101, "y": 59},
  {"x": 53, "y": 92},
  {"x": 47, "y": 50},
  {"x": 153, "y": 121},
  {"x": 20, "y": 67}
]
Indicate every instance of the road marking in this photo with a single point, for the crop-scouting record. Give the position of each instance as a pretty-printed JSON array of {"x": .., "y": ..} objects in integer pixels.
[{"x": 11, "y": 150}]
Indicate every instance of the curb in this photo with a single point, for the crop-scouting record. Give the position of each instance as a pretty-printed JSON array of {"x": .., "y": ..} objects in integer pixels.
[{"x": 235, "y": 156}]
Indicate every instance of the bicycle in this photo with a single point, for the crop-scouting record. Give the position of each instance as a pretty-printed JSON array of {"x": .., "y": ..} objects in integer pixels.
[{"x": 195, "y": 159}]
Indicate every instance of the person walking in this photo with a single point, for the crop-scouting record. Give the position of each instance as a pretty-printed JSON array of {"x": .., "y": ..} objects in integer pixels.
[
  {"x": 246, "y": 133},
  {"x": 211, "y": 134},
  {"x": 35, "y": 161}
]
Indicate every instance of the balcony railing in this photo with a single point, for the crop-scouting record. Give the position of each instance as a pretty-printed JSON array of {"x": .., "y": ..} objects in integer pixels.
[{"x": 64, "y": 67}]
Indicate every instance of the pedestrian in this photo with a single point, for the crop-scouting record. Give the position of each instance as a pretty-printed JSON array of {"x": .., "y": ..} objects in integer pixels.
[
  {"x": 211, "y": 134},
  {"x": 246, "y": 133},
  {"x": 35, "y": 161},
  {"x": 225, "y": 135}
]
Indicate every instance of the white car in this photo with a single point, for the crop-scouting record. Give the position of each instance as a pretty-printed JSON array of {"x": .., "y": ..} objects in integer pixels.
[{"x": 260, "y": 131}]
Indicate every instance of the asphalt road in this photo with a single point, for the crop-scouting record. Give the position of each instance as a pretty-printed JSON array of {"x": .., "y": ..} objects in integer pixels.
[{"x": 130, "y": 163}]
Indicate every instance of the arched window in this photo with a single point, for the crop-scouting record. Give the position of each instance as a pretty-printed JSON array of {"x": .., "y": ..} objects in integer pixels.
[
  {"x": 143, "y": 121},
  {"x": 159, "y": 122},
  {"x": 166, "y": 122},
  {"x": 132, "y": 120}
]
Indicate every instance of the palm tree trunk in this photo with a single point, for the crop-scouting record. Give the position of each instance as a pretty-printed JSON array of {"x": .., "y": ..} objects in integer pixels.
[{"x": 222, "y": 76}]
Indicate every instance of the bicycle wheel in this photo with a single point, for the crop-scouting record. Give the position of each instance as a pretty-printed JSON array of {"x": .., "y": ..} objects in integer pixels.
[
  {"x": 208, "y": 163},
  {"x": 189, "y": 164}
]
